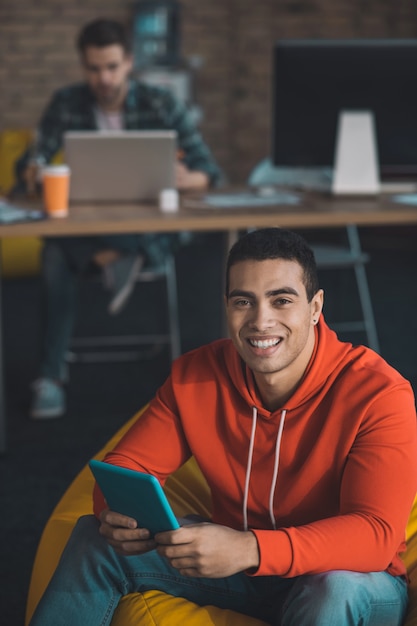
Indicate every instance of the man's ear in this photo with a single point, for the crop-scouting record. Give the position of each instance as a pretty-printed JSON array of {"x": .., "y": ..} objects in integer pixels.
[{"x": 317, "y": 305}]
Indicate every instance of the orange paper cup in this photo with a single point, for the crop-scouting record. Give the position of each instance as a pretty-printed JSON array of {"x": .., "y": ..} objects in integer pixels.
[{"x": 55, "y": 179}]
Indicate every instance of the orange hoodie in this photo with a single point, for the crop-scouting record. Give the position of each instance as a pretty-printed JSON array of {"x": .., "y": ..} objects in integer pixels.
[{"x": 325, "y": 483}]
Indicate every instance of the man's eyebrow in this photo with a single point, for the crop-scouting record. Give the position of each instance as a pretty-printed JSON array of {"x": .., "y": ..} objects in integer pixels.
[
  {"x": 284, "y": 290},
  {"x": 270, "y": 294},
  {"x": 242, "y": 294}
]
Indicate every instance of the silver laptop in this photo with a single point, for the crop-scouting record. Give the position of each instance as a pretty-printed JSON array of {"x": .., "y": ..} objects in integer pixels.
[{"x": 120, "y": 166}]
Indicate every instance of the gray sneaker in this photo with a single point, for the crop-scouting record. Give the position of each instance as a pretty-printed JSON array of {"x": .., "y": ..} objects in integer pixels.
[
  {"x": 48, "y": 399},
  {"x": 120, "y": 277}
]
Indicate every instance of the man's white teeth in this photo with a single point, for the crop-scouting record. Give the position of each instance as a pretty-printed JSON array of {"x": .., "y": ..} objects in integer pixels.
[{"x": 264, "y": 343}]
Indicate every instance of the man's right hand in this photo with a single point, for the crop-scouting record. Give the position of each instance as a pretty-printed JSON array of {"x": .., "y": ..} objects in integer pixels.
[
  {"x": 30, "y": 176},
  {"x": 123, "y": 534}
]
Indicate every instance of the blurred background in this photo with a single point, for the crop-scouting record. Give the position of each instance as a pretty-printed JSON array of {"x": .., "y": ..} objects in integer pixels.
[{"x": 224, "y": 48}]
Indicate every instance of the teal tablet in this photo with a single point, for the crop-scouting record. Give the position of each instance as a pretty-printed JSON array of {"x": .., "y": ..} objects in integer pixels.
[{"x": 135, "y": 494}]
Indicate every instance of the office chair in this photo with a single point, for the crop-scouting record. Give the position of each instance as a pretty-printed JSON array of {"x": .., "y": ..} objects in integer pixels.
[
  {"x": 119, "y": 347},
  {"x": 334, "y": 257}
]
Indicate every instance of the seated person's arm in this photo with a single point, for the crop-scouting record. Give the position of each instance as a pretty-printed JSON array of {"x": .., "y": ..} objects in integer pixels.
[
  {"x": 196, "y": 168},
  {"x": 187, "y": 179},
  {"x": 47, "y": 143},
  {"x": 377, "y": 489}
]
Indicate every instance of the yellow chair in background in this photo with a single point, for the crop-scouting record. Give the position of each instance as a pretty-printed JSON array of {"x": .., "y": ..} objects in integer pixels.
[
  {"x": 188, "y": 492},
  {"x": 13, "y": 143},
  {"x": 19, "y": 256}
]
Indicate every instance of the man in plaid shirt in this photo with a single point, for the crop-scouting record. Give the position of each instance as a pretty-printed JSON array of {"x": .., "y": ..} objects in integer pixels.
[{"x": 108, "y": 100}]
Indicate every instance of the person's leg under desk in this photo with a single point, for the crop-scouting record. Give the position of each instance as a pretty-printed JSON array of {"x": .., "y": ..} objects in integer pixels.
[{"x": 63, "y": 259}]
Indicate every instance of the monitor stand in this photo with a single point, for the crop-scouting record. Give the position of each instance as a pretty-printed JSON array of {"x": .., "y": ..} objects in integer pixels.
[{"x": 356, "y": 168}]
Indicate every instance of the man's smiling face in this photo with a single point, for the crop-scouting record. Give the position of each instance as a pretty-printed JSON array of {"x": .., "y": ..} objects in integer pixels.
[{"x": 270, "y": 320}]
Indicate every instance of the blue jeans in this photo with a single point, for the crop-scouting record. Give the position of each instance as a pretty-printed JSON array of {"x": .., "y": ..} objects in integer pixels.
[{"x": 91, "y": 578}]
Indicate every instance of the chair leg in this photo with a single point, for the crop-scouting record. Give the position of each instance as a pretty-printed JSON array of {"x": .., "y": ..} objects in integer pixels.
[
  {"x": 119, "y": 348},
  {"x": 363, "y": 289},
  {"x": 173, "y": 316}
]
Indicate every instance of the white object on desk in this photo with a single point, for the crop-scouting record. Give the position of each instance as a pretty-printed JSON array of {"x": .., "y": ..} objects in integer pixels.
[{"x": 168, "y": 200}]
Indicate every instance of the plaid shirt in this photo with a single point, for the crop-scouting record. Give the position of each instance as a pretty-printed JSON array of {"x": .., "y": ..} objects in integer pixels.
[{"x": 146, "y": 108}]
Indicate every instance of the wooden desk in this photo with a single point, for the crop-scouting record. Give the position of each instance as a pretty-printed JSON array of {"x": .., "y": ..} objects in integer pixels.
[{"x": 315, "y": 211}]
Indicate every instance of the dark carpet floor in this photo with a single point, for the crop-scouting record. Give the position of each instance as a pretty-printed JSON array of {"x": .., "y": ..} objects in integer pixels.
[{"x": 43, "y": 457}]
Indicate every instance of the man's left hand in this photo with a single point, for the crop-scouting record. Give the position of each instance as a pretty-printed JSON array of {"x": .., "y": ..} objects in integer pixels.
[
  {"x": 208, "y": 550},
  {"x": 188, "y": 180}
]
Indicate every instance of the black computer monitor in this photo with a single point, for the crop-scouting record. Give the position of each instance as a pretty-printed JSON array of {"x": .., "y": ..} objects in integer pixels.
[{"x": 313, "y": 80}]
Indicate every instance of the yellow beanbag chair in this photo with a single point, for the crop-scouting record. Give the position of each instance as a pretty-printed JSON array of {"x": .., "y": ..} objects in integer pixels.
[{"x": 187, "y": 492}]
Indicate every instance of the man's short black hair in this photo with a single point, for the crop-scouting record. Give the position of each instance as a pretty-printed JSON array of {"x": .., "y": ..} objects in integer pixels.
[
  {"x": 276, "y": 243},
  {"x": 101, "y": 33}
]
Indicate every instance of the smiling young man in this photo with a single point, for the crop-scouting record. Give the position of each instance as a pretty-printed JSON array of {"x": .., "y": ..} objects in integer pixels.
[
  {"x": 109, "y": 99},
  {"x": 309, "y": 446}
]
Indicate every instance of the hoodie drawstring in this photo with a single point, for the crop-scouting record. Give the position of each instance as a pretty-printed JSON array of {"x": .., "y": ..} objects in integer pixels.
[{"x": 249, "y": 468}]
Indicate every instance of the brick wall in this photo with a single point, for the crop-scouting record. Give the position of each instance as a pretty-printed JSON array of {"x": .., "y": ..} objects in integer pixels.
[{"x": 233, "y": 39}]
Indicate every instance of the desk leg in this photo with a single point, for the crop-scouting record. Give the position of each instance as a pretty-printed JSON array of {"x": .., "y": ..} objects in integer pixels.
[{"x": 2, "y": 386}]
